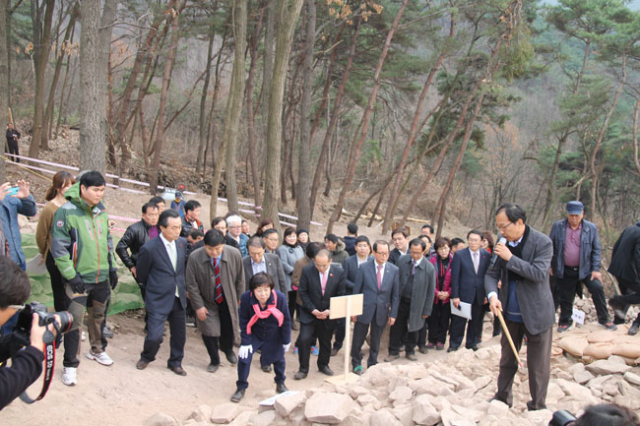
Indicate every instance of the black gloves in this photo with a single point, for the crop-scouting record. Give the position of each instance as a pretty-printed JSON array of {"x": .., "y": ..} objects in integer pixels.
[
  {"x": 77, "y": 285},
  {"x": 113, "y": 278}
]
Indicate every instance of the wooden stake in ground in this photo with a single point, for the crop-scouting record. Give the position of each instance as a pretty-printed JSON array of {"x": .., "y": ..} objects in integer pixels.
[
  {"x": 346, "y": 307},
  {"x": 506, "y": 333}
]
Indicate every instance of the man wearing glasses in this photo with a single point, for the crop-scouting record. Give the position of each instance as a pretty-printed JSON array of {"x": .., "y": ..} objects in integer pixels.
[
  {"x": 379, "y": 282},
  {"x": 235, "y": 237},
  {"x": 525, "y": 300}
]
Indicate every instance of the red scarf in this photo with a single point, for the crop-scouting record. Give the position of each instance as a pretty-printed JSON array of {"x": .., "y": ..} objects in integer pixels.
[{"x": 271, "y": 310}]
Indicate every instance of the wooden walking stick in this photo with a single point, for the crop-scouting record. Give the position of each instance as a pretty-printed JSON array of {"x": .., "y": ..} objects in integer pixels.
[{"x": 506, "y": 333}]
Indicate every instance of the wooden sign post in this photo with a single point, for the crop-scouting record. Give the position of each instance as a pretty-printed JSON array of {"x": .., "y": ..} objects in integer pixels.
[{"x": 345, "y": 307}]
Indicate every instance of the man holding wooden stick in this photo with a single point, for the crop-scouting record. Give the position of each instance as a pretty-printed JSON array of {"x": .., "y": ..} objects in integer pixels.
[{"x": 525, "y": 299}]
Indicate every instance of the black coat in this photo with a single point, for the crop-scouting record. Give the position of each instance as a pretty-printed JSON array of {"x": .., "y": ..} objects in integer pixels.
[
  {"x": 625, "y": 260},
  {"x": 26, "y": 367},
  {"x": 311, "y": 290},
  {"x": 133, "y": 239}
]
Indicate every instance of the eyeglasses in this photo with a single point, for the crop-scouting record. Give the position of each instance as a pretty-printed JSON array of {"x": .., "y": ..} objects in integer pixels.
[{"x": 503, "y": 227}]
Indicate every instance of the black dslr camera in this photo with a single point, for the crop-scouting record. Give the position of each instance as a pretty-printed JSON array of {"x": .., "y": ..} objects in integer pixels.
[
  {"x": 562, "y": 418},
  {"x": 22, "y": 331}
]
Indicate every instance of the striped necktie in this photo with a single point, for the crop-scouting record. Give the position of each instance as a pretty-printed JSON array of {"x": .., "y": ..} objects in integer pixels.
[{"x": 216, "y": 271}]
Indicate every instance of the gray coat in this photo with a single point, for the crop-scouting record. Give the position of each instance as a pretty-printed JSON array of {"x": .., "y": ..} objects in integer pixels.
[
  {"x": 422, "y": 292},
  {"x": 534, "y": 293},
  {"x": 201, "y": 288},
  {"x": 289, "y": 256},
  {"x": 274, "y": 268}
]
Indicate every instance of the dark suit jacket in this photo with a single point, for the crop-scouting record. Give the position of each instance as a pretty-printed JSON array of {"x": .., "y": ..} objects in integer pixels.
[
  {"x": 465, "y": 282},
  {"x": 274, "y": 268},
  {"x": 350, "y": 267},
  {"x": 311, "y": 290},
  {"x": 382, "y": 303},
  {"x": 155, "y": 272},
  {"x": 533, "y": 292},
  {"x": 625, "y": 260},
  {"x": 423, "y": 289}
]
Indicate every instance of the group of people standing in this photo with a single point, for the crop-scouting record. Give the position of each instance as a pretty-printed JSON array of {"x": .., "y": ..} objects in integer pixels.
[{"x": 247, "y": 291}]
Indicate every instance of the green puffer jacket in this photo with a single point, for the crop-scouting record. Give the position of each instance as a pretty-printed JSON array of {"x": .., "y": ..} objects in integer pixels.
[{"x": 81, "y": 242}]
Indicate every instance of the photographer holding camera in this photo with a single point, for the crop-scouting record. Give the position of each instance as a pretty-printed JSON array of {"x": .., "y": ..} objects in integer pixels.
[{"x": 26, "y": 364}]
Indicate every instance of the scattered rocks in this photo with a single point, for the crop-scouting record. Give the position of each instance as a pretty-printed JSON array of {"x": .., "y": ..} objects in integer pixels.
[
  {"x": 385, "y": 417},
  {"x": 286, "y": 404},
  {"x": 605, "y": 366},
  {"x": 423, "y": 412},
  {"x": 161, "y": 419},
  {"x": 632, "y": 378},
  {"x": 224, "y": 413},
  {"x": 330, "y": 408}
]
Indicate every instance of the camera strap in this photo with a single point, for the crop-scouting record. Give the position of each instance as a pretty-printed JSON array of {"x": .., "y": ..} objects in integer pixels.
[{"x": 49, "y": 340}]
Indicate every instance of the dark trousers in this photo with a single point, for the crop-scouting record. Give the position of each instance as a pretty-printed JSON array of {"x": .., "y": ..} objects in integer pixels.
[
  {"x": 178, "y": 329},
  {"x": 293, "y": 306},
  {"x": 538, "y": 363},
  {"x": 567, "y": 287},
  {"x": 458, "y": 325},
  {"x": 400, "y": 331},
  {"x": 630, "y": 296},
  {"x": 225, "y": 341},
  {"x": 244, "y": 367},
  {"x": 95, "y": 296},
  {"x": 57, "y": 285},
  {"x": 340, "y": 332},
  {"x": 360, "y": 331},
  {"x": 422, "y": 335},
  {"x": 323, "y": 330},
  {"x": 13, "y": 149},
  {"x": 439, "y": 322}
]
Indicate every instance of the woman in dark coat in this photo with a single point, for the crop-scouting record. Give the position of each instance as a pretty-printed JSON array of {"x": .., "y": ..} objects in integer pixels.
[
  {"x": 441, "y": 313},
  {"x": 265, "y": 325}
]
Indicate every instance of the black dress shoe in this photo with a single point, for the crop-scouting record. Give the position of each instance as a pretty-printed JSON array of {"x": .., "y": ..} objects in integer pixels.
[
  {"x": 266, "y": 368},
  {"x": 619, "y": 309},
  {"x": 231, "y": 357},
  {"x": 281, "y": 388},
  {"x": 423, "y": 349},
  {"x": 236, "y": 397},
  {"x": 300, "y": 375},
  {"x": 452, "y": 348},
  {"x": 212, "y": 368},
  {"x": 473, "y": 348},
  {"x": 141, "y": 365},
  {"x": 178, "y": 370},
  {"x": 326, "y": 370},
  {"x": 633, "y": 330},
  {"x": 335, "y": 351}
]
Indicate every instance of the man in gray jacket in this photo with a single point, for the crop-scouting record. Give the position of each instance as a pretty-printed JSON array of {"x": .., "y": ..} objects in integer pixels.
[
  {"x": 576, "y": 261},
  {"x": 526, "y": 300}
]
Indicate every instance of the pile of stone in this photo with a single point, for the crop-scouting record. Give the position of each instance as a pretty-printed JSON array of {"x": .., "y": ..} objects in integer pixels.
[
  {"x": 591, "y": 342},
  {"x": 455, "y": 391}
]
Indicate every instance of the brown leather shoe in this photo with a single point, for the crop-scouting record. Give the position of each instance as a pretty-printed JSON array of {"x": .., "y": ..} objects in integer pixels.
[
  {"x": 141, "y": 365},
  {"x": 178, "y": 370}
]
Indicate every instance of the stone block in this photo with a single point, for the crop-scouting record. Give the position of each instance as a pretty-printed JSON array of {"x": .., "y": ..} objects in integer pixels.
[
  {"x": 330, "y": 408},
  {"x": 202, "y": 413},
  {"x": 424, "y": 413},
  {"x": 224, "y": 413},
  {"x": 286, "y": 404},
  {"x": 161, "y": 419}
]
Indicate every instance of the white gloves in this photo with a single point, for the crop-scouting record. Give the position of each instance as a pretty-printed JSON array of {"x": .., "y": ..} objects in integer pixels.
[
  {"x": 244, "y": 351},
  {"x": 286, "y": 347}
]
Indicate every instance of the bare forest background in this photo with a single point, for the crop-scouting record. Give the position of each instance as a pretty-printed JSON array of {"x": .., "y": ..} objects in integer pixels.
[{"x": 353, "y": 110}]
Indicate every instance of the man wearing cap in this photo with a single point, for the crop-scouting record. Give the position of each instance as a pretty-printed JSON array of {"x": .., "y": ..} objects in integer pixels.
[
  {"x": 178, "y": 204},
  {"x": 576, "y": 261}
]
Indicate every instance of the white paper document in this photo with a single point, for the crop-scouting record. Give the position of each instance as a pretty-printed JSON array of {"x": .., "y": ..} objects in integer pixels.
[{"x": 463, "y": 310}]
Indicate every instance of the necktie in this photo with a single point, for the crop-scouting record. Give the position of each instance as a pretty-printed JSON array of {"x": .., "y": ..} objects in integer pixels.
[
  {"x": 216, "y": 273},
  {"x": 379, "y": 276},
  {"x": 413, "y": 269},
  {"x": 476, "y": 262},
  {"x": 324, "y": 282},
  {"x": 173, "y": 256}
]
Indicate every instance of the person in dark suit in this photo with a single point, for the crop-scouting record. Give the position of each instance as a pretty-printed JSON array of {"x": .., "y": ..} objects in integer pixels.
[
  {"x": 351, "y": 266},
  {"x": 161, "y": 270},
  {"x": 259, "y": 261},
  {"x": 379, "y": 283},
  {"x": 468, "y": 268},
  {"x": 400, "y": 237},
  {"x": 319, "y": 282},
  {"x": 625, "y": 266},
  {"x": 526, "y": 300},
  {"x": 417, "y": 290}
]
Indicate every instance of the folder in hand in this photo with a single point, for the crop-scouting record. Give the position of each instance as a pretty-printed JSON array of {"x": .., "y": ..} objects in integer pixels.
[{"x": 463, "y": 310}]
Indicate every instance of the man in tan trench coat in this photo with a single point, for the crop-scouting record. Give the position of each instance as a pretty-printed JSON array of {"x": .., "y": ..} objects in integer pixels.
[{"x": 215, "y": 282}]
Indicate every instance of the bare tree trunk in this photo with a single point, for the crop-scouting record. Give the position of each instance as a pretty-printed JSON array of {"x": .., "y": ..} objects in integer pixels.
[
  {"x": 287, "y": 15},
  {"x": 4, "y": 79},
  {"x": 202, "y": 134},
  {"x": 268, "y": 58},
  {"x": 166, "y": 81},
  {"x": 354, "y": 153},
  {"x": 636, "y": 110}
]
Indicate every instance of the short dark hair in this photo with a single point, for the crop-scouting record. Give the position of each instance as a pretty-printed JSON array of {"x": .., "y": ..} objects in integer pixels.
[
  {"x": 362, "y": 239},
  {"x": 418, "y": 242},
  {"x": 441, "y": 242},
  {"x": 216, "y": 220},
  {"x": 268, "y": 232},
  {"x": 476, "y": 232},
  {"x": 380, "y": 243},
  {"x": 213, "y": 238},
  {"x": 486, "y": 235},
  {"x": 429, "y": 227},
  {"x": 352, "y": 228},
  {"x": 256, "y": 242},
  {"x": 260, "y": 279},
  {"x": 455, "y": 241},
  {"x": 607, "y": 415},
  {"x": 513, "y": 212},
  {"x": 402, "y": 230},
  {"x": 14, "y": 283},
  {"x": 290, "y": 230},
  {"x": 92, "y": 178},
  {"x": 147, "y": 206},
  {"x": 302, "y": 231},
  {"x": 312, "y": 250},
  {"x": 163, "y": 220},
  {"x": 195, "y": 234},
  {"x": 157, "y": 200},
  {"x": 191, "y": 205},
  {"x": 425, "y": 237},
  {"x": 332, "y": 237}
]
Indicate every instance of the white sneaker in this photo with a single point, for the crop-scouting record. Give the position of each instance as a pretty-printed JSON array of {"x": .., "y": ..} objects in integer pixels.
[
  {"x": 102, "y": 358},
  {"x": 69, "y": 377}
]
